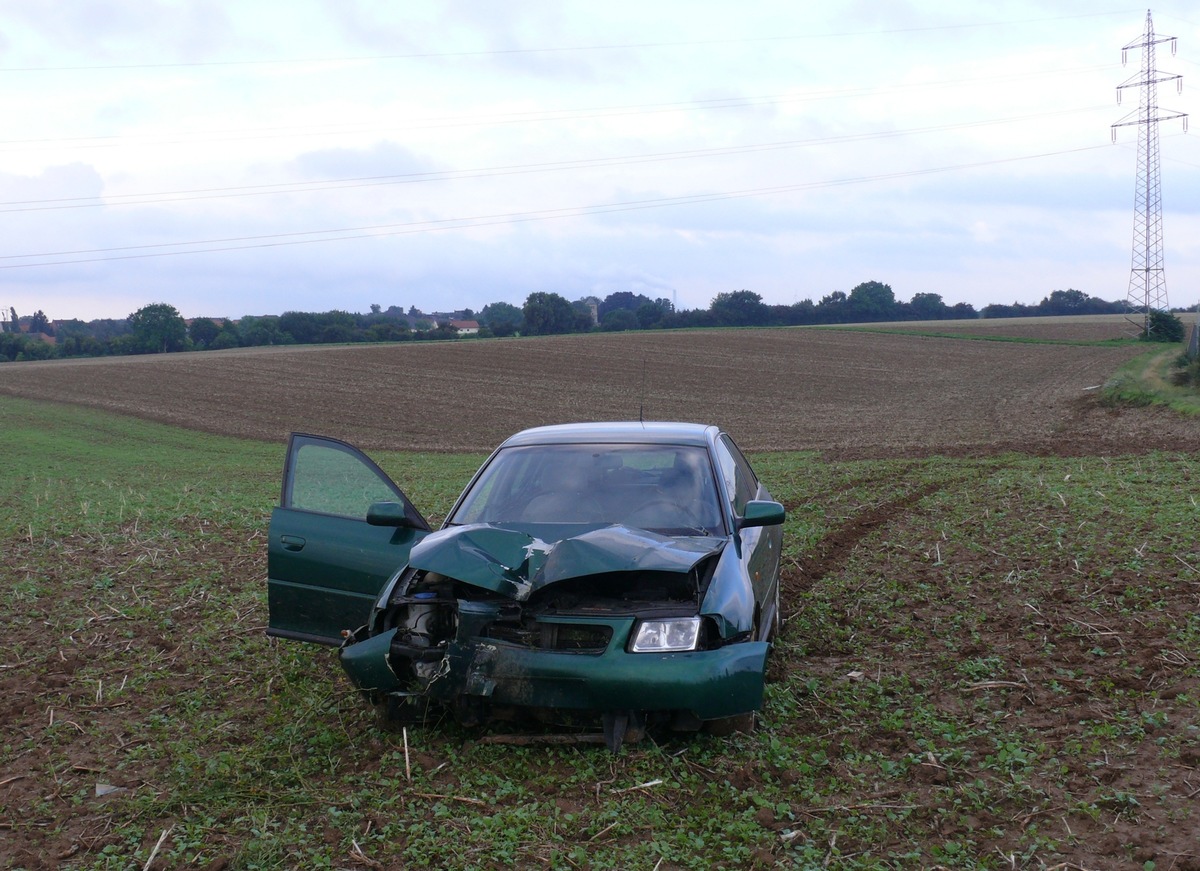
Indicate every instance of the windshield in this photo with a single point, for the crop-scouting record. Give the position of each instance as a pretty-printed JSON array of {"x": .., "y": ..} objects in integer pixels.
[{"x": 663, "y": 488}]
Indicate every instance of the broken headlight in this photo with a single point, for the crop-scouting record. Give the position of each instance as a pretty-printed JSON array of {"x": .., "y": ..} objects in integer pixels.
[{"x": 666, "y": 636}]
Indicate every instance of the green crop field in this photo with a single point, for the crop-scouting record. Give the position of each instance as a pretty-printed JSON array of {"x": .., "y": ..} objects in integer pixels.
[
  {"x": 992, "y": 581},
  {"x": 988, "y": 662}
]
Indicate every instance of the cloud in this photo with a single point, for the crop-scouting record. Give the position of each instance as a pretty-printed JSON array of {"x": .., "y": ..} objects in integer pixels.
[{"x": 236, "y": 126}]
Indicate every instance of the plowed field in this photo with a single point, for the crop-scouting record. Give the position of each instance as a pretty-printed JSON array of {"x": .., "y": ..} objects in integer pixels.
[
  {"x": 988, "y": 661},
  {"x": 845, "y": 393}
]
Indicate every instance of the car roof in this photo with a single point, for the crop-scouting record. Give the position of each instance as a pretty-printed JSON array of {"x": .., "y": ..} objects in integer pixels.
[{"x": 615, "y": 432}]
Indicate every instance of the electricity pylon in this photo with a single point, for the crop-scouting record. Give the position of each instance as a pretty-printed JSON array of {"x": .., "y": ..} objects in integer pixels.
[{"x": 1147, "y": 280}]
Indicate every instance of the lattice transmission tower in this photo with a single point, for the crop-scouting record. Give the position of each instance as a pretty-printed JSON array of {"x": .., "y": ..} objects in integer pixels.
[{"x": 1147, "y": 279}]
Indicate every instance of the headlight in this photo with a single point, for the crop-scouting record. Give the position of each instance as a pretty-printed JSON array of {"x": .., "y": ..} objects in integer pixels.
[{"x": 663, "y": 636}]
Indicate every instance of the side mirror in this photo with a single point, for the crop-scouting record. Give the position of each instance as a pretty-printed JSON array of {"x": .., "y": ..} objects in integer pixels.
[
  {"x": 387, "y": 514},
  {"x": 760, "y": 512}
]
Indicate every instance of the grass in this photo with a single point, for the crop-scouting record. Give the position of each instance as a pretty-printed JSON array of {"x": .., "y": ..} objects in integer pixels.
[
  {"x": 1146, "y": 380},
  {"x": 987, "y": 663}
]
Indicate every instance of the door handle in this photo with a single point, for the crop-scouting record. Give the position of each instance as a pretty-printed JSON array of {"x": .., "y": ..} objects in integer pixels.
[{"x": 291, "y": 542}]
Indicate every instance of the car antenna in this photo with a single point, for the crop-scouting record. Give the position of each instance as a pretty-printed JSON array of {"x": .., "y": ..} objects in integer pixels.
[{"x": 642, "y": 403}]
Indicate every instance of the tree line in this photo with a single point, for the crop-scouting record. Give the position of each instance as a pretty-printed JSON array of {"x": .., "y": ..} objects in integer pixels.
[{"x": 159, "y": 328}]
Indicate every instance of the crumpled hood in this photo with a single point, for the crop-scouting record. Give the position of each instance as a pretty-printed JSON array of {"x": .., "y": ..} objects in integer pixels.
[{"x": 517, "y": 564}]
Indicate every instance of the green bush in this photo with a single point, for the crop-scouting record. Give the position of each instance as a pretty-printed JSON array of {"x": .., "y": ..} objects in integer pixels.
[
  {"x": 1162, "y": 326},
  {"x": 1187, "y": 372}
]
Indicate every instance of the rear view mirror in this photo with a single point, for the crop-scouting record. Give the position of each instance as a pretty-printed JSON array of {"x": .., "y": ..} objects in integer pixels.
[
  {"x": 760, "y": 512},
  {"x": 388, "y": 514}
]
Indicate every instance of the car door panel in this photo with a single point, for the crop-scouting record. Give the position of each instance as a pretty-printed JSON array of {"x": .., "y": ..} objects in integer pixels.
[{"x": 325, "y": 563}]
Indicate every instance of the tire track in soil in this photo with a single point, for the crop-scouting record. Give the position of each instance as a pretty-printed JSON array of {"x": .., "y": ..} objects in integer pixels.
[{"x": 835, "y": 547}]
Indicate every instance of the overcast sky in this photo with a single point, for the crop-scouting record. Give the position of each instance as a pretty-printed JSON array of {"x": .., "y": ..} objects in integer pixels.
[{"x": 235, "y": 157}]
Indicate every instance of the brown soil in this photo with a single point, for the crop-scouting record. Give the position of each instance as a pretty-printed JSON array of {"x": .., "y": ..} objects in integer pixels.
[
  {"x": 848, "y": 394},
  {"x": 845, "y": 394},
  {"x": 1132, "y": 803},
  {"x": 77, "y": 690}
]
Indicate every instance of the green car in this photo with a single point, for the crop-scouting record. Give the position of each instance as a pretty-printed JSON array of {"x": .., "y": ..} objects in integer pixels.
[{"x": 622, "y": 575}]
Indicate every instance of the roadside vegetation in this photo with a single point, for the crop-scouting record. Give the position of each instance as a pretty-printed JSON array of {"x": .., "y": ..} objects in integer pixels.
[
  {"x": 987, "y": 663},
  {"x": 1164, "y": 377}
]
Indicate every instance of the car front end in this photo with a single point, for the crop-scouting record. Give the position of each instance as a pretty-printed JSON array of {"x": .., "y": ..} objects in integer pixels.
[{"x": 615, "y": 625}]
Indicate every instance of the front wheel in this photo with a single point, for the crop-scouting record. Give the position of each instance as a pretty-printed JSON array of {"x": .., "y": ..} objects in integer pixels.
[{"x": 726, "y": 726}]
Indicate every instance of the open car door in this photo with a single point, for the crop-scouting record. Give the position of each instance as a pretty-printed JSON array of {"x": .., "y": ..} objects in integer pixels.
[{"x": 341, "y": 530}]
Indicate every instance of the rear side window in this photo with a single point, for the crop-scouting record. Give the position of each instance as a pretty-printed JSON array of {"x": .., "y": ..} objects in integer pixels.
[{"x": 739, "y": 477}]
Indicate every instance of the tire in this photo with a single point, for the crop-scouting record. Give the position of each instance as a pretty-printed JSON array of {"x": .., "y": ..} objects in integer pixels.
[{"x": 737, "y": 724}]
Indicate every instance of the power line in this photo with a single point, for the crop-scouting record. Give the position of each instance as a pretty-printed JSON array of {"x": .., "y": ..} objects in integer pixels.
[
  {"x": 274, "y": 240},
  {"x": 160, "y": 197},
  {"x": 590, "y": 113},
  {"x": 446, "y": 55}
]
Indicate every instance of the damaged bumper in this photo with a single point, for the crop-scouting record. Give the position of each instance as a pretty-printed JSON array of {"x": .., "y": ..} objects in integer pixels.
[{"x": 710, "y": 684}]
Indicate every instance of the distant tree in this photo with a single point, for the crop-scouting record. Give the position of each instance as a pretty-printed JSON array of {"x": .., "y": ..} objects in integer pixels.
[
  {"x": 872, "y": 301},
  {"x": 1162, "y": 326},
  {"x": 76, "y": 339},
  {"x": 832, "y": 308},
  {"x": 18, "y": 347},
  {"x": 622, "y": 300},
  {"x": 107, "y": 329},
  {"x": 39, "y": 323},
  {"x": 546, "y": 314},
  {"x": 376, "y": 308},
  {"x": 225, "y": 339},
  {"x": 585, "y": 314},
  {"x": 79, "y": 345},
  {"x": 338, "y": 326},
  {"x": 739, "y": 308},
  {"x": 263, "y": 331},
  {"x": 651, "y": 314},
  {"x": 1016, "y": 310},
  {"x": 802, "y": 312},
  {"x": 389, "y": 331},
  {"x": 158, "y": 329},
  {"x": 202, "y": 332},
  {"x": 1076, "y": 302},
  {"x": 339, "y": 333},
  {"x": 304, "y": 327},
  {"x": 14, "y": 323},
  {"x": 71, "y": 327},
  {"x": 10, "y": 345},
  {"x": 1065, "y": 302},
  {"x": 497, "y": 314},
  {"x": 619, "y": 319},
  {"x": 927, "y": 306}
]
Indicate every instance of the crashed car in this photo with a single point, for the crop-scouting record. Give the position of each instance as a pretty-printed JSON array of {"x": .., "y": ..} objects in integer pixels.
[{"x": 623, "y": 575}]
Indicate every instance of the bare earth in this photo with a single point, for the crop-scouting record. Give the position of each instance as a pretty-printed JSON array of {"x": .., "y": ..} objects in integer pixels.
[
  {"x": 845, "y": 393},
  {"x": 842, "y": 392}
]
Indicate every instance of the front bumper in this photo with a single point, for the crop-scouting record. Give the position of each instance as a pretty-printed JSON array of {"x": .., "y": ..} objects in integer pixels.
[{"x": 710, "y": 684}]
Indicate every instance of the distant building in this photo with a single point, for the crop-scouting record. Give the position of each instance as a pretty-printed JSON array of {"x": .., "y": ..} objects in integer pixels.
[{"x": 466, "y": 328}]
